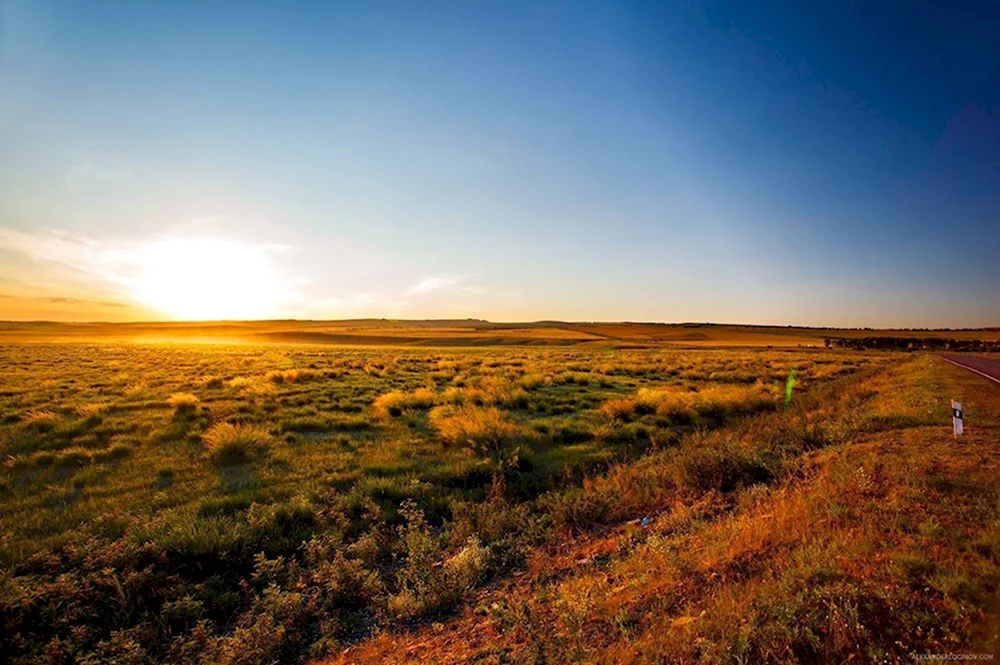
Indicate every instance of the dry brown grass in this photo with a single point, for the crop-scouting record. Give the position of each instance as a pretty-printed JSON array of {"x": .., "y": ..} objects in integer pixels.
[
  {"x": 39, "y": 417},
  {"x": 397, "y": 402},
  {"x": 358, "y": 531},
  {"x": 290, "y": 375},
  {"x": 684, "y": 406},
  {"x": 869, "y": 550},
  {"x": 93, "y": 409},
  {"x": 489, "y": 391},
  {"x": 251, "y": 385},
  {"x": 183, "y": 401},
  {"x": 481, "y": 429}
]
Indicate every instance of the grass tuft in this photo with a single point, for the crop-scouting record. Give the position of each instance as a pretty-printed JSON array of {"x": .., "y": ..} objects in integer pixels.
[
  {"x": 677, "y": 407},
  {"x": 395, "y": 403},
  {"x": 233, "y": 445},
  {"x": 93, "y": 410},
  {"x": 481, "y": 429},
  {"x": 290, "y": 375},
  {"x": 183, "y": 402}
]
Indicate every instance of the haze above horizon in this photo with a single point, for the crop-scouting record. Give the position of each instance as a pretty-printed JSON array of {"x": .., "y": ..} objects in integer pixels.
[{"x": 824, "y": 165}]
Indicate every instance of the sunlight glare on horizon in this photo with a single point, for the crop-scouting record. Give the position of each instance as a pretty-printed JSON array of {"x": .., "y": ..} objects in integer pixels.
[{"x": 201, "y": 279}]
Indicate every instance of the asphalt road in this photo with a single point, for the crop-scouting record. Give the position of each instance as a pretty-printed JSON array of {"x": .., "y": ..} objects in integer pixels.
[{"x": 988, "y": 367}]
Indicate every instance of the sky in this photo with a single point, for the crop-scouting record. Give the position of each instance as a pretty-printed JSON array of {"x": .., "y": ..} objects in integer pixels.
[{"x": 829, "y": 163}]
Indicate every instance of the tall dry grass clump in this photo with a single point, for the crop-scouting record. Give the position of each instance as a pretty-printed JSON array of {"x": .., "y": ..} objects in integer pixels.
[
  {"x": 396, "y": 402},
  {"x": 212, "y": 381},
  {"x": 481, "y": 429},
  {"x": 251, "y": 385},
  {"x": 290, "y": 375},
  {"x": 489, "y": 391},
  {"x": 39, "y": 419},
  {"x": 619, "y": 408},
  {"x": 182, "y": 402},
  {"x": 725, "y": 401},
  {"x": 681, "y": 407},
  {"x": 93, "y": 409},
  {"x": 232, "y": 445}
]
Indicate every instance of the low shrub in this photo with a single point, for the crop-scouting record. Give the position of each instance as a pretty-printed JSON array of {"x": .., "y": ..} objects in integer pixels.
[{"x": 425, "y": 584}]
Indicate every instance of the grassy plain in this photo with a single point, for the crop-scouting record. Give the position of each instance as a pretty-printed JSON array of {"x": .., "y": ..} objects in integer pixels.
[
  {"x": 469, "y": 332},
  {"x": 261, "y": 503}
]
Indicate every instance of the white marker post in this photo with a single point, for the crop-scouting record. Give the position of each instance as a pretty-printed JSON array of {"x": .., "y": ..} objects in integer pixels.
[{"x": 956, "y": 416}]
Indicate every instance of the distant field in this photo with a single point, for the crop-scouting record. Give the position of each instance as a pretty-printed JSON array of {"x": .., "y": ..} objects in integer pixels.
[
  {"x": 468, "y": 332},
  {"x": 262, "y": 503}
]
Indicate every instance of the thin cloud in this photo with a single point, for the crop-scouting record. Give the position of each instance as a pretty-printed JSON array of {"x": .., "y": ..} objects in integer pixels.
[
  {"x": 114, "y": 261},
  {"x": 436, "y": 283},
  {"x": 82, "y": 255},
  {"x": 62, "y": 300},
  {"x": 77, "y": 301}
]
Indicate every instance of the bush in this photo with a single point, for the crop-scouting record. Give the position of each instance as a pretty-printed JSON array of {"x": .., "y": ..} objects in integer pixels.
[
  {"x": 483, "y": 430},
  {"x": 231, "y": 445},
  {"x": 467, "y": 568},
  {"x": 424, "y": 584}
]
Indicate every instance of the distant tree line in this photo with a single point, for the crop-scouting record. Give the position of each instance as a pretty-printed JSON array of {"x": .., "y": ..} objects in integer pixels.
[{"x": 912, "y": 344}]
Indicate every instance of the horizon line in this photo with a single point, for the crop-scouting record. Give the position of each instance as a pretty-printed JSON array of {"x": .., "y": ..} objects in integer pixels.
[{"x": 538, "y": 322}]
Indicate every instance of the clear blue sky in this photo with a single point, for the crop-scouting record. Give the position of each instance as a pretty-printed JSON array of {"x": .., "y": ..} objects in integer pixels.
[{"x": 821, "y": 163}]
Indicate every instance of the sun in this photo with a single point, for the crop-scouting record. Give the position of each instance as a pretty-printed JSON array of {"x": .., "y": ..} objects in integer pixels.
[{"x": 202, "y": 279}]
